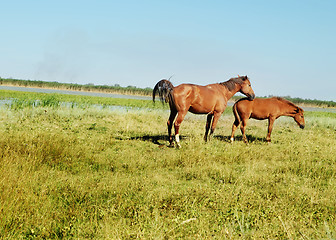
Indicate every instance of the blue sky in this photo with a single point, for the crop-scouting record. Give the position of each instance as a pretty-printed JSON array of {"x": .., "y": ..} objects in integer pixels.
[{"x": 285, "y": 47}]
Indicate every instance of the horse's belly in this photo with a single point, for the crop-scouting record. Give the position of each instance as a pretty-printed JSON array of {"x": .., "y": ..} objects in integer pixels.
[
  {"x": 258, "y": 116},
  {"x": 199, "y": 110}
]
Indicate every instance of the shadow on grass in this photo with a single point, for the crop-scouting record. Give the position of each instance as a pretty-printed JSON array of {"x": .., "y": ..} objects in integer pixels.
[
  {"x": 152, "y": 138},
  {"x": 162, "y": 140},
  {"x": 250, "y": 138}
]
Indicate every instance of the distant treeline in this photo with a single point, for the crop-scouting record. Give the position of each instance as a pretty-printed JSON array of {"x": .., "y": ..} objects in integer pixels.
[
  {"x": 132, "y": 90},
  {"x": 311, "y": 102},
  {"x": 77, "y": 87}
]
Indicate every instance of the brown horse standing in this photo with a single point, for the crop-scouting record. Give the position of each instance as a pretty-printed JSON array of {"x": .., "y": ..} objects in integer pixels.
[
  {"x": 261, "y": 109},
  {"x": 210, "y": 99}
]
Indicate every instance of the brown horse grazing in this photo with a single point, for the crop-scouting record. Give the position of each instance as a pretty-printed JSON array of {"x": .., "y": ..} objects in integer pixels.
[
  {"x": 261, "y": 109},
  {"x": 210, "y": 99}
]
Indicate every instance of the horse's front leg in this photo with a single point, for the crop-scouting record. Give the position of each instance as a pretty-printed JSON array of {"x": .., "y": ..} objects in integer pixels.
[
  {"x": 214, "y": 122},
  {"x": 207, "y": 126},
  {"x": 170, "y": 125},
  {"x": 270, "y": 128}
]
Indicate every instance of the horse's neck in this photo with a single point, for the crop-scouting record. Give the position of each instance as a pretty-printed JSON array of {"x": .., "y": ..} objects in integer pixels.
[
  {"x": 233, "y": 91},
  {"x": 290, "y": 110}
]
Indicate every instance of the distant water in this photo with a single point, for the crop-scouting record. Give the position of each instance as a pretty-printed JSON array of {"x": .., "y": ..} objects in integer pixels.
[
  {"x": 314, "y": 109},
  {"x": 112, "y": 95}
]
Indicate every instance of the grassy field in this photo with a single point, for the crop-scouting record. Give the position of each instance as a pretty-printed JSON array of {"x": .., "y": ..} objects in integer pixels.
[{"x": 82, "y": 170}]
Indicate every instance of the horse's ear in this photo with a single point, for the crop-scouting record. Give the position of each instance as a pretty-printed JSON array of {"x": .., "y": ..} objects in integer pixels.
[{"x": 298, "y": 110}]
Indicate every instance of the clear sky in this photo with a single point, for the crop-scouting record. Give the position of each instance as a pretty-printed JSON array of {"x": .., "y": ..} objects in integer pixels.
[{"x": 286, "y": 48}]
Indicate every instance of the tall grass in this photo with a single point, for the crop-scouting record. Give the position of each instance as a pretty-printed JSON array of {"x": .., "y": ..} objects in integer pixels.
[
  {"x": 107, "y": 174},
  {"x": 20, "y": 100}
]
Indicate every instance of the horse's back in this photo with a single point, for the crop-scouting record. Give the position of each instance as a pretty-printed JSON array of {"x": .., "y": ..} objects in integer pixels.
[
  {"x": 243, "y": 107},
  {"x": 265, "y": 107},
  {"x": 260, "y": 108},
  {"x": 187, "y": 87},
  {"x": 197, "y": 98}
]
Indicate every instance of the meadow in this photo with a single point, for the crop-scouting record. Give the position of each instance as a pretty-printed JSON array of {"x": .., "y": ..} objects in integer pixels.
[{"x": 73, "y": 167}]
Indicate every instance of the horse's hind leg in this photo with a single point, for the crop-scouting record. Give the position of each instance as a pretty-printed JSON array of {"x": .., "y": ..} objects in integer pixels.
[
  {"x": 242, "y": 129},
  {"x": 179, "y": 119},
  {"x": 170, "y": 125},
  {"x": 207, "y": 126},
  {"x": 234, "y": 127}
]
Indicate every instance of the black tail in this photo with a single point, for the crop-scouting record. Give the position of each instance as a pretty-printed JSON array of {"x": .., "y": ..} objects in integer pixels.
[{"x": 164, "y": 88}]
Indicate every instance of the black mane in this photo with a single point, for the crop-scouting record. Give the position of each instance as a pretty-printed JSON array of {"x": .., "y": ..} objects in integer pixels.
[
  {"x": 231, "y": 83},
  {"x": 287, "y": 102}
]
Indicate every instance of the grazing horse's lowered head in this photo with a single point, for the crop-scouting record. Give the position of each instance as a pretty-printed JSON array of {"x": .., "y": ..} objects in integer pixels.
[{"x": 299, "y": 118}]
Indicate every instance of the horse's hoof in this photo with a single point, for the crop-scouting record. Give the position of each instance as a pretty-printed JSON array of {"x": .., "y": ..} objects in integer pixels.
[{"x": 171, "y": 145}]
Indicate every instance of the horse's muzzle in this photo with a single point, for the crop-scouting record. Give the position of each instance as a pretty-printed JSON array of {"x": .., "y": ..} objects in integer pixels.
[
  {"x": 251, "y": 96},
  {"x": 302, "y": 126}
]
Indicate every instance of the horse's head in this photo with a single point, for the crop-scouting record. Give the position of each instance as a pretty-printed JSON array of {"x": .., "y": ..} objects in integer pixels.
[
  {"x": 246, "y": 88},
  {"x": 299, "y": 118}
]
